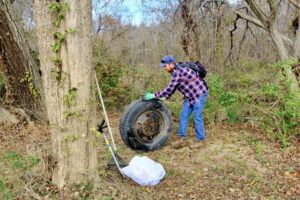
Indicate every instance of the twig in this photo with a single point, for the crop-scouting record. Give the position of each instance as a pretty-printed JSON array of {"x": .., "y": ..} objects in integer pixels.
[
  {"x": 274, "y": 104},
  {"x": 267, "y": 113},
  {"x": 230, "y": 54},
  {"x": 32, "y": 193}
]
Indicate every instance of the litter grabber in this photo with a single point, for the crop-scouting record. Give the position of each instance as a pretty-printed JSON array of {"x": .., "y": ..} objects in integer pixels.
[
  {"x": 142, "y": 170},
  {"x": 100, "y": 129},
  {"x": 119, "y": 162}
]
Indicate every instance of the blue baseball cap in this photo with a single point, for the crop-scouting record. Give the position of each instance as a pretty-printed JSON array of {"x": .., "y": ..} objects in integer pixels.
[{"x": 166, "y": 60}]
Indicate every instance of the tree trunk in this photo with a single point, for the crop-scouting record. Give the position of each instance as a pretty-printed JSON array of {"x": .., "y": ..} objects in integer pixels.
[
  {"x": 188, "y": 23},
  {"x": 284, "y": 55},
  {"x": 278, "y": 41},
  {"x": 67, "y": 86},
  {"x": 294, "y": 81},
  {"x": 297, "y": 40},
  {"x": 16, "y": 63}
]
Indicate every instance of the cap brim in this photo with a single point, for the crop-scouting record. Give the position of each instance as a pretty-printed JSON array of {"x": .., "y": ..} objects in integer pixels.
[{"x": 162, "y": 65}]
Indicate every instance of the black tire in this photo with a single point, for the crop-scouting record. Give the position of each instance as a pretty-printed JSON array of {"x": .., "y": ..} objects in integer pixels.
[{"x": 146, "y": 125}]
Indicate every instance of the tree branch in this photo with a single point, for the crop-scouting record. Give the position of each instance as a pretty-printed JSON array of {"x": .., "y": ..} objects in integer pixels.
[
  {"x": 295, "y": 3},
  {"x": 251, "y": 19},
  {"x": 256, "y": 9},
  {"x": 230, "y": 54}
]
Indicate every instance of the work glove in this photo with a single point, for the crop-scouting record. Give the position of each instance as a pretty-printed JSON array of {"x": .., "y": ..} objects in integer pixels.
[{"x": 149, "y": 96}]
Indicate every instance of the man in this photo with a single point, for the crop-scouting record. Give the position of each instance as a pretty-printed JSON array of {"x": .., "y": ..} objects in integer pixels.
[{"x": 194, "y": 90}]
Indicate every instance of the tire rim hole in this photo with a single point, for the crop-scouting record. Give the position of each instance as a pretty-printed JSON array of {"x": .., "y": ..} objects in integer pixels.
[{"x": 148, "y": 126}]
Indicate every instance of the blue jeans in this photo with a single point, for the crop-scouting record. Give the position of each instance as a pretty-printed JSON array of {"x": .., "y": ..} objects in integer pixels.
[{"x": 186, "y": 112}]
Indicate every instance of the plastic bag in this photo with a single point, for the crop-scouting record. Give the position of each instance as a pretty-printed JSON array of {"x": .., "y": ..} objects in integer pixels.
[{"x": 144, "y": 171}]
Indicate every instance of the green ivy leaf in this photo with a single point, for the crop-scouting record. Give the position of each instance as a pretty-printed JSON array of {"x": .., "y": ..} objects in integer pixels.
[
  {"x": 55, "y": 47},
  {"x": 70, "y": 30},
  {"x": 57, "y": 23},
  {"x": 55, "y": 6},
  {"x": 59, "y": 36},
  {"x": 57, "y": 60},
  {"x": 61, "y": 16}
]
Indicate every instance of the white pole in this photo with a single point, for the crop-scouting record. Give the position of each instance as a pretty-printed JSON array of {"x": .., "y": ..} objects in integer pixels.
[
  {"x": 105, "y": 114},
  {"x": 112, "y": 153}
]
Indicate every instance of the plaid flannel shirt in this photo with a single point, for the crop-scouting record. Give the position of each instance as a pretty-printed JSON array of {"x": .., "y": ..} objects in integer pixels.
[{"x": 187, "y": 82}]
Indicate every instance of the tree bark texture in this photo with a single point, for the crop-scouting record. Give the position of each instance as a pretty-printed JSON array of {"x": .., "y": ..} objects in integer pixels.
[
  {"x": 297, "y": 39},
  {"x": 68, "y": 96},
  {"x": 16, "y": 62},
  {"x": 278, "y": 40},
  {"x": 189, "y": 37}
]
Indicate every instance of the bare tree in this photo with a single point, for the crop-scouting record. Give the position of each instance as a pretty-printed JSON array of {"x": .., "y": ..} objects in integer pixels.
[
  {"x": 103, "y": 9},
  {"x": 202, "y": 30},
  {"x": 266, "y": 16},
  {"x": 65, "y": 47}
]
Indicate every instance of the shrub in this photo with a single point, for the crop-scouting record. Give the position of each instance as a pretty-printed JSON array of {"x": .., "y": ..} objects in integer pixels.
[
  {"x": 110, "y": 72},
  {"x": 122, "y": 83},
  {"x": 261, "y": 96},
  {"x": 214, "y": 111}
]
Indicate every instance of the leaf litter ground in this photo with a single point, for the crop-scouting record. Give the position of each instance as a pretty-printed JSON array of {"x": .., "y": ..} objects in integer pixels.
[{"x": 238, "y": 162}]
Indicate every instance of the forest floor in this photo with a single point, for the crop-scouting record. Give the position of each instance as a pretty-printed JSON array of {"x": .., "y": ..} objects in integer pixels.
[{"x": 238, "y": 162}]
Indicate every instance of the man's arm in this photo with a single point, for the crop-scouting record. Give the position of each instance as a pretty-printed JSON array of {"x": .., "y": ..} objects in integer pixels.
[{"x": 168, "y": 91}]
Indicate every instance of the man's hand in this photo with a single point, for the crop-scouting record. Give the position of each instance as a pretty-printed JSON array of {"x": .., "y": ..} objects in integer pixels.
[{"x": 149, "y": 96}]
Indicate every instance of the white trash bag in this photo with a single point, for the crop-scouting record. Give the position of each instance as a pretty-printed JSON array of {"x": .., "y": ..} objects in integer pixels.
[{"x": 144, "y": 171}]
